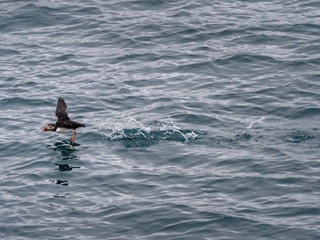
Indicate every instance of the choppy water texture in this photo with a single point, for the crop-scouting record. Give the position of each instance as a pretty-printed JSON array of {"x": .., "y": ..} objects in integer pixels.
[{"x": 202, "y": 119}]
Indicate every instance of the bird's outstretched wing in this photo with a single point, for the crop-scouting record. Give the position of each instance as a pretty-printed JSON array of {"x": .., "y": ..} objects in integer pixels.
[{"x": 61, "y": 113}]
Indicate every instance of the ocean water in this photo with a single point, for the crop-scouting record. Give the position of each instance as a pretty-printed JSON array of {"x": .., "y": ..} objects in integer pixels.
[{"x": 202, "y": 119}]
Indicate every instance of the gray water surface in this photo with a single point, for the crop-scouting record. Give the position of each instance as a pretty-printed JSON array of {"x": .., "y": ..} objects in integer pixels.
[{"x": 202, "y": 119}]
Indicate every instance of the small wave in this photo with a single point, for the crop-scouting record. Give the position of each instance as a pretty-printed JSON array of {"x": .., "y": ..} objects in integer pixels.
[
  {"x": 245, "y": 58},
  {"x": 65, "y": 57},
  {"x": 5, "y": 51},
  {"x": 298, "y": 136},
  {"x": 17, "y": 101}
]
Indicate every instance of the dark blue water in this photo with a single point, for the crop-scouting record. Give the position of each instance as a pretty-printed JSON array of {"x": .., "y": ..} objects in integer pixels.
[{"x": 202, "y": 119}]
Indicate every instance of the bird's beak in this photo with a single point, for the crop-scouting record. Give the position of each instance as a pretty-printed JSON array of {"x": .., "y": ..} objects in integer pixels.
[{"x": 45, "y": 129}]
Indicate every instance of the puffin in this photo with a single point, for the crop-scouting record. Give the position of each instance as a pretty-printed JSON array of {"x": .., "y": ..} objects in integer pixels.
[{"x": 64, "y": 124}]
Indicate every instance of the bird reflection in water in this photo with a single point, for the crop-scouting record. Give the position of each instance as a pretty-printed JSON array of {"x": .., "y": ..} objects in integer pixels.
[
  {"x": 68, "y": 151},
  {"x": 64, "y": 167},
  {"x": 62, "y": 182}
]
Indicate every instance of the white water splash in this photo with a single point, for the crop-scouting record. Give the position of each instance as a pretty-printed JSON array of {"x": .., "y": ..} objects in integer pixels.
[
  {"x": 171, "y": 126},
  {"x": 116, "y": 129},
  {"x": 254, "y": 122}
]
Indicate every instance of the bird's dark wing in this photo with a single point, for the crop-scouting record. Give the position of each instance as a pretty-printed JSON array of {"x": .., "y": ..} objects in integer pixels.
[{"x": 61, "y": 113}]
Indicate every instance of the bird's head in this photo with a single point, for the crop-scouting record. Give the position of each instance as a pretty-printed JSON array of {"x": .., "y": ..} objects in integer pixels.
[{"x": 49, "y": 127}]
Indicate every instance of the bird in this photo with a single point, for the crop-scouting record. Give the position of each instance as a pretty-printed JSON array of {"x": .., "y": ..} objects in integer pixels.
[{"x": 64, "y": 124}]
